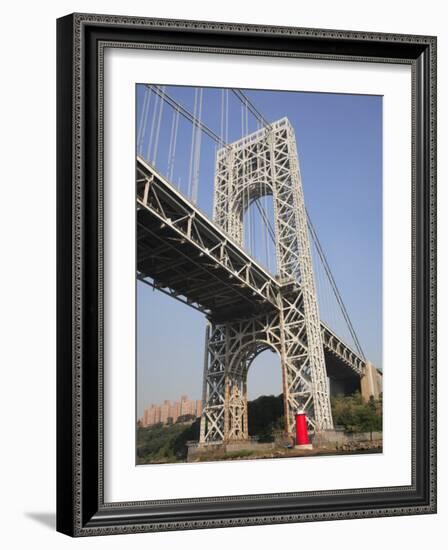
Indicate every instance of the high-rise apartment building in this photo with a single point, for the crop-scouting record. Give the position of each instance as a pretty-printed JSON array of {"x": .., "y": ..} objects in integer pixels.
[{"x": 173, "y": 410}]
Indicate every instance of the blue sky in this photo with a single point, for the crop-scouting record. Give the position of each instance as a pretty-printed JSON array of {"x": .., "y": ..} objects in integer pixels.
[{"x": 339, "y": 142}]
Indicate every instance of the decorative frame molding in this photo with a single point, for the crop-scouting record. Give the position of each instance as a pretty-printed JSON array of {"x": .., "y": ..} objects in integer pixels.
[{"x": 81, "y": 40}]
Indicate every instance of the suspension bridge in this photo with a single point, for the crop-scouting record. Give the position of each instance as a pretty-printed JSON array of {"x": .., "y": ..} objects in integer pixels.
[{"x": 253, "y": 264}]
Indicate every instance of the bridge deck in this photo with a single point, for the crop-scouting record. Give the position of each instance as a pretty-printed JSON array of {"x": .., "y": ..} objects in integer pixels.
[{"x": 184, "y": 254}]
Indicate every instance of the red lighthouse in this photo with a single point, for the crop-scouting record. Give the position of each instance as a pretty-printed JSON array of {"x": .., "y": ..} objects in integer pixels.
[{"x": 302, "y": 439}]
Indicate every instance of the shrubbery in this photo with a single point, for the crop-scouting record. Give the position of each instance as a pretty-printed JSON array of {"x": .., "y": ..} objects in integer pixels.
[
  {"x": 165, "y": 443},
  {"x": 355, "y": 415}
]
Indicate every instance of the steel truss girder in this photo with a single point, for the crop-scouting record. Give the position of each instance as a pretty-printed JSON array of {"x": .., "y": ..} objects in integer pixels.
[
  {"x": 184, "y": 224},
  {"x": 341, "y": 351}
]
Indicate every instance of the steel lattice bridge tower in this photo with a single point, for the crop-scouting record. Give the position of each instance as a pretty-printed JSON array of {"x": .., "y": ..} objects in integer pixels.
[
  {"x": 266, "y": 163},
  {"x": 202, "y": 263}
]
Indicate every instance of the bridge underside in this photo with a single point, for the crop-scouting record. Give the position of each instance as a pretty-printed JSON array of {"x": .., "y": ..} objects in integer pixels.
[
  {"x": 182, "y": 253},
  {"x": 343, "y": 379},
  {"x": 177, "y": 266}
]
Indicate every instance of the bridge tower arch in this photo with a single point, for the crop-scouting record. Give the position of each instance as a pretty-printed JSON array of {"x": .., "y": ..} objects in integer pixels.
[{"x": 266, "y": 163}]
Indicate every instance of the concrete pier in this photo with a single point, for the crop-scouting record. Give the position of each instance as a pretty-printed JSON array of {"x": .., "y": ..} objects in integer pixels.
[{"x": 371, "y": 382}]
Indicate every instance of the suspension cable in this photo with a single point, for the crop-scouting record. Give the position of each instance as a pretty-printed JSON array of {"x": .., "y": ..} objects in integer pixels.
[
  {"x": 222, "y": 140},
  {"x": 227, "y": 116},
  {"x": 333, "y": 284},
  {"x": 245, "y": 100},
  {"x": 186, "y": 114},
  {"x": 193, "y": 143},
  {"x": 159, "y": 120},
  {"x": 143, "y": 120},
  {"x": 170, "y": 147},
  {"x": 153, "y": 124},
  {"x": 197, "y": 159},
  {"x": 173, "y": 144},
  {"x": 221, "y": 132}
]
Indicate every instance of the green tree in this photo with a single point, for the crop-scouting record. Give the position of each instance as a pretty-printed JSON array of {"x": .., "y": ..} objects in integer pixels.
[
  {"x": 165, "y": 443},
  {"x": 355, "y": 415}
]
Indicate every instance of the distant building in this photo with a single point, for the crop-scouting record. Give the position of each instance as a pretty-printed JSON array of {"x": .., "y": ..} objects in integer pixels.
[
  {"x": 170, "y": 411},
  {"x": 187, "y": 407},
  {"x": 165, "y": 411},
  {"x": 174, "y": 411}
]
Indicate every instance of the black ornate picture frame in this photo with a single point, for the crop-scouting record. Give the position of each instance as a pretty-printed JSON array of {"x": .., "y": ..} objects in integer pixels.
[{"x": 81, "y": 41}]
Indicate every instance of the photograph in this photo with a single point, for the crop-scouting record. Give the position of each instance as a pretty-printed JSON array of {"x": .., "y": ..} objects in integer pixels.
[
  {"x": 226, "y": 334},
  {"x": 259, "y": 265},
  {"x": 246, "y": 273}
]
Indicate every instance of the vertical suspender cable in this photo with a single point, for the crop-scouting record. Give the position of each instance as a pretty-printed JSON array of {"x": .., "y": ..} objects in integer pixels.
[
  {"x": 334, "y": 287},
  {"x": 158, "y": 99},
  {"x": 221, "y": 129},
  {"x": 143, "y": 120},
  {"x": 227, "y": 116},
  {"x": 173, "y": 144},
  {"x": 170, "y": 147},
  {"x": 159, "y": 120},
  {"x": 197, "y": 152},
  {"x": 193, "y": 143}
]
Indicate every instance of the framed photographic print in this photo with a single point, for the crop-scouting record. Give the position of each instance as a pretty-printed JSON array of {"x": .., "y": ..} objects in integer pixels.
[{"x": 246, "y": 274}]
